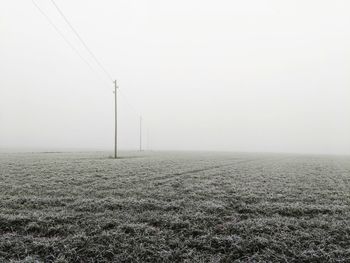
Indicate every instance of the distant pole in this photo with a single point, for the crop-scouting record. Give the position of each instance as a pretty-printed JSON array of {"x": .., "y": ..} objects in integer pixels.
[
  {"x": 148, "y": 140},
  {"x": 115, "y": 119},
  {"x": 140, "y": 133}
]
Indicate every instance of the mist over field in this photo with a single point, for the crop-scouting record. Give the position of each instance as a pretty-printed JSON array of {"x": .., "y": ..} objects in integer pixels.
[
  {"x": 174, "y": 131},
  {"x": 266, "y": 76}
]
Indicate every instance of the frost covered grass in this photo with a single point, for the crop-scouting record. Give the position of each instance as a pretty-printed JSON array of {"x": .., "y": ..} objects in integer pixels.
[{"x": 166, "y": 207}]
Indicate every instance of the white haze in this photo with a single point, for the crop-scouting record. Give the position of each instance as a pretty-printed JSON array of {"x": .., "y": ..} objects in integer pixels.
[{"x": 266, "y": 76}]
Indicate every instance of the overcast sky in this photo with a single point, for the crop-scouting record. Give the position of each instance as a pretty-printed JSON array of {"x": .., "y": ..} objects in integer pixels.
[{"x": 253, "y": 75}]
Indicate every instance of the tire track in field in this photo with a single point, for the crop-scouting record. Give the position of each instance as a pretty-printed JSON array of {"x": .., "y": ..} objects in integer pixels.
[{"x": 172, "y": 176}]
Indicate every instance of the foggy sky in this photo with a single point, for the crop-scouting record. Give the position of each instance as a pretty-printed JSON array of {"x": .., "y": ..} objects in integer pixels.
[{"x": 266, "y": 76}]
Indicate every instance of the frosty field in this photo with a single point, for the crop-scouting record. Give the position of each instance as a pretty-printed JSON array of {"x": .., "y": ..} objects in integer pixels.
[{"x": 156, "y": 207}]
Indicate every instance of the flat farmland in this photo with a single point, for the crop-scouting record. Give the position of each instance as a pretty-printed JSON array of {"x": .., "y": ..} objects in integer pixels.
[{"x": 174, "y": 207}]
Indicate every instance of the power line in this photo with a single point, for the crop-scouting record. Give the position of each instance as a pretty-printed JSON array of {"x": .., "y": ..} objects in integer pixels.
[
  {"x": 82, "y": 41},
  {"x": 78, "y": 53},
  {"x": 86, "y": 61},
  {"x": 62, "y": 35},
  {"x": 137, "y": 112}
]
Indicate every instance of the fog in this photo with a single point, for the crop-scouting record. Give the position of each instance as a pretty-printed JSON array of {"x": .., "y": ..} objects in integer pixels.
[{"x": 260, "y": 76}]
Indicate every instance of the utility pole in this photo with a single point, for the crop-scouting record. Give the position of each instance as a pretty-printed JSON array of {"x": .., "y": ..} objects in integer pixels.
[
  {"x": 147, "y": 140},
  {"x": 115, "y": 119},
  {"x": 140, "y": 133}
]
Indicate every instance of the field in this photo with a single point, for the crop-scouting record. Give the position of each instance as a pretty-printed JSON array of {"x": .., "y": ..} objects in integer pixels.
[{"x": 174, "y": 207}]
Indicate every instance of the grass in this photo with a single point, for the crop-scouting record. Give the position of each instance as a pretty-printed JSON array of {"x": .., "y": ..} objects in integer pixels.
[{"x": 174, "y": 207}]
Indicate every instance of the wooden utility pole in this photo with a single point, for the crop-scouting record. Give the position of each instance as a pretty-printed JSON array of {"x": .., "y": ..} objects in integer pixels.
[
  {"x": 140, "y": 133},
  {"x": 115, "y": 120}
]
